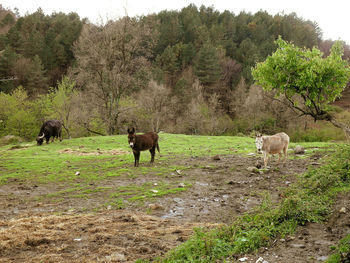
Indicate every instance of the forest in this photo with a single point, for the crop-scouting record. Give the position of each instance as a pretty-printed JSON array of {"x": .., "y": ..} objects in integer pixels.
[{"x": 186, "y": 71}]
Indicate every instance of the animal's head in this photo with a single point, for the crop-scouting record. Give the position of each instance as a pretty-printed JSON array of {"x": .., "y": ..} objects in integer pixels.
[
  {"x": 131, "y": 137},
  {"x": 40, "y": 139},
  {"x": 259, "y": 142}
]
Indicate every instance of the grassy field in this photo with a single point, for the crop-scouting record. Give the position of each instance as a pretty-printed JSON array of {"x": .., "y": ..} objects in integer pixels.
[
  {"x": 97, "y": 158},
  {"x": 86, "y": 169}
]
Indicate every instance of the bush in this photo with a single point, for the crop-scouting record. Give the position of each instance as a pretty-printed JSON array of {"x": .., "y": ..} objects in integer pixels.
[
  {"x": 17, "y": 115},
  {"x": 323, "y": 133}
]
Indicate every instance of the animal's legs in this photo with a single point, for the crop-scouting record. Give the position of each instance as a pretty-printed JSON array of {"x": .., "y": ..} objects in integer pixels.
[
  {"x": 153, "y": 153},
  {"x": 137, "y": 158},
  {"x": 265, "y": 159},
  {"x": 279, "y": 157}
]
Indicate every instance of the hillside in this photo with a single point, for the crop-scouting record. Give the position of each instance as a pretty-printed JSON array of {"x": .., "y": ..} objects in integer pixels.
[{"x": 344, "y": 101}]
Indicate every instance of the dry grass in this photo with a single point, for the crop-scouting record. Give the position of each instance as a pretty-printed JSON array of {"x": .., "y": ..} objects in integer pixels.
[
  {"x": 89, "y": 153},
  {"x": 110, "y": 236}
]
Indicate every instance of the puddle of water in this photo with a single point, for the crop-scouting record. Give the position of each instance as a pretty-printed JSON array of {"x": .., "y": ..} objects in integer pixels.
[
  {"x": 202, "y": 184},
  {"x": 178, "y": 200},
  {"x": 174, "y": 212}
]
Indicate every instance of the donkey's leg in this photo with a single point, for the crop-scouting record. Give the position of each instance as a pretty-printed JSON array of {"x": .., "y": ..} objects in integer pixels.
[
  {"x": 265, "y": 159},
  {"x": 153, "y": 153},
  {"x": 279, "y": 157},
  {"x": 137, "y": 158},
  {"x": 285, "y": 153}
]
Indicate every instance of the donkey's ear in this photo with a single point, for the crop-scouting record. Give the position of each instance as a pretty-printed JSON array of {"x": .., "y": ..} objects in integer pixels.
[{"x": 133, "y": 130}]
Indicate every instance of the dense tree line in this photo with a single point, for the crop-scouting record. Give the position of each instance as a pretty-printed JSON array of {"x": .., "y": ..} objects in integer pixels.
[
  {"x": 37, "y": 50},
  {"x": 169, "y": 69}
]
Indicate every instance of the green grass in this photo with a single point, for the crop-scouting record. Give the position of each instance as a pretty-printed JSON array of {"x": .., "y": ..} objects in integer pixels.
[
  {"x": 49, "y": 163},
  {"x": 57, "y": 163},
  {"x": 342, "y": 251}
]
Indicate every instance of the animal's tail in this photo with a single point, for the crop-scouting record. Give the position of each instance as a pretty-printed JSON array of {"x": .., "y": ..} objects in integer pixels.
[{"x": 158, "y": 147}]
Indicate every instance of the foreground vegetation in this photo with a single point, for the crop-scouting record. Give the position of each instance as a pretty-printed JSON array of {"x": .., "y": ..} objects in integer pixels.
[{"x": 308, "y": 200}]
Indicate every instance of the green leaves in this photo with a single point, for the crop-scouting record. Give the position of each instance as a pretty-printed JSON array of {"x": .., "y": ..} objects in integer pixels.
[{"x": 292, "y": 70}]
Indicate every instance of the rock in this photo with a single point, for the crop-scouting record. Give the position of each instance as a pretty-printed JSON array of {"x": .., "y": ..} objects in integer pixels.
[
  {"x": 260, "y": 259},
  {"x": 299, "y": 149},
  {"x": 155, "y": 207},
  {"x": 243, "y": 259},
  {"x": 216, "y": 158},
  {"x": 182, "y": 185},
  {"x": 116, "y": 257},
  {"x": 253, "y": 169},
  {"x": 178, "y": 172},
  {"x": 77, "y": 173},
  {"x": 298, "y": 245},
  {"x": 342, "y": 210}
]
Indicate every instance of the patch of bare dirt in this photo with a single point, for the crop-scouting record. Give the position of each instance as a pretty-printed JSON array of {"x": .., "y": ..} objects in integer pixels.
[
  {"x": 82, "y": 152},
  {"x": 222, "y": 188}
]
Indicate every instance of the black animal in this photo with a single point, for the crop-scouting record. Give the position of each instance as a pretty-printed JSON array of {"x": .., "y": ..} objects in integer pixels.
[
  {"x": 138, "y": 143},
  {"x": 51, "y": 128}
]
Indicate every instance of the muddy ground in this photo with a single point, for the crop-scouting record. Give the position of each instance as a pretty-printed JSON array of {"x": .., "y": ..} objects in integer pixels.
[{"x": 76, "y": 230}]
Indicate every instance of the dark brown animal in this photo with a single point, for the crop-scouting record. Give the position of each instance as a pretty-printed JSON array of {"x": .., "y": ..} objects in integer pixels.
[
  {"x": 51, "y": 128},
  {"x": 144, "y": 142}
]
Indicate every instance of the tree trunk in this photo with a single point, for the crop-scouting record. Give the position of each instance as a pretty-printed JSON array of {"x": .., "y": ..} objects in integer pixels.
[
  {"x": 341, "y": 125},
  {"x": 67, "y": 130},
  {"x": 89, "y": 130}
]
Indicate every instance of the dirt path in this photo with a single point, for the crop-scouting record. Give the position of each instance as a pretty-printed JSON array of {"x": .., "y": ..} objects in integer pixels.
[{"x": 222, "y": 188}]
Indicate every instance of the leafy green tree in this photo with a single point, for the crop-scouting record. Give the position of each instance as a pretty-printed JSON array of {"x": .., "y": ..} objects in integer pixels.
[
  {"x": 305, "y": 75},
  {"x": 207, "y": 65},
  {"x": 63, "y": 100},
  {"x": 170, "y": 30},
  {"x": 31, "y": 74},
  {"x": 169, "y": 63},
  {"x": 48, "y": 37},
  {"x": 7, "y": 62},
  {"x": 16, "y": 116}
]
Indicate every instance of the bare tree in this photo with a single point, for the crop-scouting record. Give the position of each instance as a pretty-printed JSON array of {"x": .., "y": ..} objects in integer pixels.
[
  {"x": 111, "y": 58},
  {"x": 155, "y": 101}
]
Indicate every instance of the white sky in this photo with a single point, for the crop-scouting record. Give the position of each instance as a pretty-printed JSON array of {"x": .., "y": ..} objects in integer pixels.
[{"x": 331, "y": 16}]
